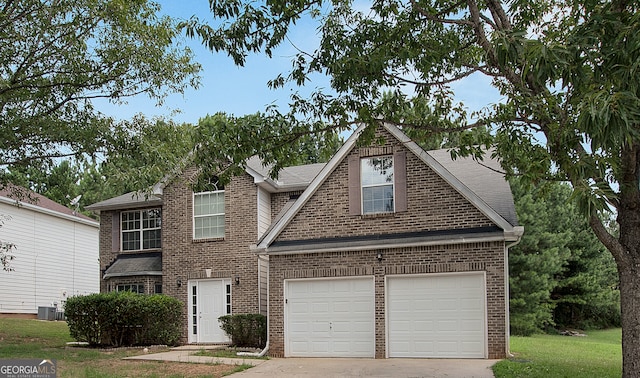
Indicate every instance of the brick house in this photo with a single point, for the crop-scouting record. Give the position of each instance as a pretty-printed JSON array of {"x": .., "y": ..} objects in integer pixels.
[{"x": 384, "y": 251}]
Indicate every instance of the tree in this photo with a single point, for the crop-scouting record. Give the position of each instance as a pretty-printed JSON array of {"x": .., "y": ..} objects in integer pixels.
[
  {"x": 58, "y": 56},
  {"x": 6, "y": 248},
  {"x": 58, "y": 182},
  {"x": 225, "y": 142},
  {"x": 566, "y": 71},
  {"x": 560, "y": 274},
  {"x": 535, "y": 262},
  {"x": 145, "y": 153}
]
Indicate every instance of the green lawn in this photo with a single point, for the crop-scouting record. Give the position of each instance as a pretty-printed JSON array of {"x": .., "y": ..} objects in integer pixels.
[
  {"x": 23, "y": 338},
  {"x": 599, "y": 354}
]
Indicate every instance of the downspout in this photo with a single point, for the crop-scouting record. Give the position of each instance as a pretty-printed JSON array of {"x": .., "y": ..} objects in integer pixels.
[
  {"x": 518, "y": 231},
  {"x": 266, "y": 347}
]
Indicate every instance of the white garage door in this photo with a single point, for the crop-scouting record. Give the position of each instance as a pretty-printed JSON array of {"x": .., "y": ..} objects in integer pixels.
[
  {"x": 330, "y": 318},
  {"x": 437, "y": 316}
]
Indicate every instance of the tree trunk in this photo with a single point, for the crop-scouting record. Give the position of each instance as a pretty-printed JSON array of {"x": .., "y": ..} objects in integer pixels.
[
  {"x": 626, "y": 251},
  {"x": 630, "y": 306},
  {"x": 628, "y": 258}
]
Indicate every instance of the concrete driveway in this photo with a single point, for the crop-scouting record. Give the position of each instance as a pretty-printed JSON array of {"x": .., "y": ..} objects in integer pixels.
[
  {"x": 335, "y": 367},
  {"x": 357, "y": 367}
]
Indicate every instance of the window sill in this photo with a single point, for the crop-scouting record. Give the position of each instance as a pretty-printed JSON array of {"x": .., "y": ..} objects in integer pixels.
[
  {"x": 378, "y": 215},
  {"x": 206, "y": 240},
  {"x": 136, "y": 251}
]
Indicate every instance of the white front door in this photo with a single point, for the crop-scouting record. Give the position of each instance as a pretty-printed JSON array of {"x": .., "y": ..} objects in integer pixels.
[
  {"x": 208, "y": 300},
  {"x": 330, "y": 317}
]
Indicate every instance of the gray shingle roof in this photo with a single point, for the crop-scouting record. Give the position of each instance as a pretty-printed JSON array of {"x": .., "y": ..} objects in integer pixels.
[
  {"x": 295, "y": 176},
  {"x": 149, "y": 264},
  {"x": 129, "y": 200},
  {"x": 484, "y": 188},
  {"x": 484, "y": 178},
  {"x": 20, "y": 195}
]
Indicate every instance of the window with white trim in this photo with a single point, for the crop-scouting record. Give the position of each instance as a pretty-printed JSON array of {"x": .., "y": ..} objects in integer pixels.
[
  {"x": 141, "y": 229},
  {"x": 134, "y": 288},
  {"x": 376, "y": 178},
  {"x": 208, "y": 215}
]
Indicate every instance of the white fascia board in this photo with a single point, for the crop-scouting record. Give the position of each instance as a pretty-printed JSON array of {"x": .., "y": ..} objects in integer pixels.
[
  {"x": 515, "y": 234},
  {"x": 53, "y": 213},
  {"x": 467, "y": 193},
  {"x": 312, "y": 188}
]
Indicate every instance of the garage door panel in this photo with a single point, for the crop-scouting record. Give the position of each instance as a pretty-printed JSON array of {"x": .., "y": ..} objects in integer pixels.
[
  {"x": 469, "y": 348},
  {"x": 471, "y": 325},
  {"x": 422, "y": 326},
  {"x": 299, "y": 308},
  {"x": 321, "y": 347},
  {"x": 423, "y": 347},
  {"x": 320, "y": 308},
  {"x": 342, "y": 314},
  {"x": 440, "y": 316},
  {"x": 320, "y": 327},
  {"x": 300, "y": 327}
]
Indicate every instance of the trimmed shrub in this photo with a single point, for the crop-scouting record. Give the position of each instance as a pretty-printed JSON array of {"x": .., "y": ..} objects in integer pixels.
[
  {"x": 124, "y": 319},
  {"x": 245, "y": 330}
]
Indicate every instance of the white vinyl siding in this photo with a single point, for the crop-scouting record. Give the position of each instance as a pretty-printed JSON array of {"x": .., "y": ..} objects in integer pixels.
[
  {"x": 55, "y": 258},
  {"x": 208, "y": 215},
  {"x": 263, "y": 281},
  {"x": 264, "y": 211}
]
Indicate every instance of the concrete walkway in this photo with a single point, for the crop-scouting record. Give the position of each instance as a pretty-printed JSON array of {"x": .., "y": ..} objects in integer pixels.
[
  {"x": 335, "y": 367},
  {"x": 186, "y": 354}
]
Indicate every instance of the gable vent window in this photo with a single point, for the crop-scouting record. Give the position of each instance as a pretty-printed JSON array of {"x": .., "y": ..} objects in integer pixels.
[
  {"x": 208, "y": 213},
  {"x": 141, "y": 229}
]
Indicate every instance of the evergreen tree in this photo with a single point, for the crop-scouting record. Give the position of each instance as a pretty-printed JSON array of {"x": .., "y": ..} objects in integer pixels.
[{"x": 560, "y": 274}]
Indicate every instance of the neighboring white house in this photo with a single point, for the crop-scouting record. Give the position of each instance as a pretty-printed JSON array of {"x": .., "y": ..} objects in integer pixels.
[{"x": 56, "y": 254}]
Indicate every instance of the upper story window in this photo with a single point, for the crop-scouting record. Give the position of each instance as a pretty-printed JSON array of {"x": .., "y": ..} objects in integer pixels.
[
  {"x": 141, "y": 229},
  {"x": 377, "y": 185},
  {"x": 208, "y": 213}
]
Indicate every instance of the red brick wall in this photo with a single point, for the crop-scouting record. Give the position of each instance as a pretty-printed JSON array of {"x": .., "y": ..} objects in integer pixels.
[
  {"x": 432, "y": 204},
  {"x": 472, "y": 257},
  {"x": 185, "y": 258},
  {"x": 108, "y": 255}
]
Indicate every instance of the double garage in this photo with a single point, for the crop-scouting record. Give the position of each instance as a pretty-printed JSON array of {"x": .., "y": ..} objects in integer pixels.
[{"x": 426, "y": 316}]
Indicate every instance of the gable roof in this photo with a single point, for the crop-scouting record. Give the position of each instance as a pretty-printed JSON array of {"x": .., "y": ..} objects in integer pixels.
[
  {"x": 495, "y": 206},
  {"x": 37, "y": 202},
  {"x": 289, "y": 179}
]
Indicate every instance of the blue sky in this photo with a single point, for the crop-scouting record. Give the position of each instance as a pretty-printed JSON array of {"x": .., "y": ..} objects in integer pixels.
[{"x": 235, "y": 90}]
